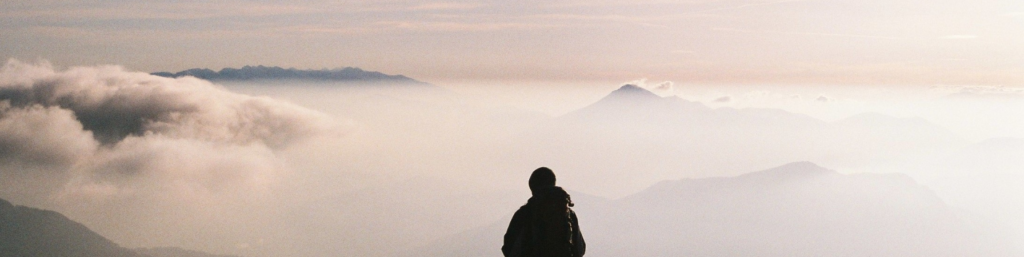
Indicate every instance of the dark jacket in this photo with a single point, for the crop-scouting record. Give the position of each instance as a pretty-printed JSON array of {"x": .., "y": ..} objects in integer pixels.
[{"x": 520, "y": 220}]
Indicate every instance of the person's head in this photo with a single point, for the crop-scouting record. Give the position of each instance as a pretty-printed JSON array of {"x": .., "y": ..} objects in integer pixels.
[{"x": 541, "y": 178}]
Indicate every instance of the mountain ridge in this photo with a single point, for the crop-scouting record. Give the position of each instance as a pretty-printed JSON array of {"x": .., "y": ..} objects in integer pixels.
[
  {"x": 27, "y": 231},
  {"x": 260, "y": 72},
  {"x": 632, "y": 125}
]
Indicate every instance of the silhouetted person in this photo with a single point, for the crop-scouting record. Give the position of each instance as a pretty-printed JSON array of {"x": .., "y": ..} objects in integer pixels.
[{"x": 545, "y": 226}]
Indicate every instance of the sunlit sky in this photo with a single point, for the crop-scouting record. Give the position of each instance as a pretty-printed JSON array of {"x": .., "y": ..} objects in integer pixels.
[{"x": 885, "y": 42}]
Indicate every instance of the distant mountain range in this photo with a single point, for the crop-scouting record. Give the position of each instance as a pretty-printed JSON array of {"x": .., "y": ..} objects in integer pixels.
[
  {"x": 253, "y": 73},
  {"x": 33, "y": 232},
  {"x": 632, "y": 126},
  {"x": 798, "y": 209}
]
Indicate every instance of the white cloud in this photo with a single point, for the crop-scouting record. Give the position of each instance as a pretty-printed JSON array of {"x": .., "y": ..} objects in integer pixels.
[
  {"x": 39, "y": 135},
  {"x": 103, "y": 132},
  {"x": 980, "y": 91}
]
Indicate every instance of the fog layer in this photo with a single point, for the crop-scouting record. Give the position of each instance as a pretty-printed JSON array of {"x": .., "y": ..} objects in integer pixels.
[
  {"x": 143, "y": 159},
  {"x": 340, "y": 169}
]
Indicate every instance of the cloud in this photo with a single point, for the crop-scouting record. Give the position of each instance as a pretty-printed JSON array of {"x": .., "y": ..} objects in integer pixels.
[
  {"x": 981, "y": 92},
  {"x": 724, "y": 99},
  {"x": 844, "y": 35},
  {"x": 114, "y": 104},
  {"x": 143, "y": 10},
  {"x": 159, "y": 169},
  {"x": 41, "y": 136},
  {"x": 663, "y": 87},
  {"x": 457, "y": 26},
  {"x": 823, "y": 99},
  {"x": 95, "y": 133}
]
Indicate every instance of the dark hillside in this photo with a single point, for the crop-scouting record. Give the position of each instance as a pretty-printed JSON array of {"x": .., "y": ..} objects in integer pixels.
[{"x": 33, "y": 232}]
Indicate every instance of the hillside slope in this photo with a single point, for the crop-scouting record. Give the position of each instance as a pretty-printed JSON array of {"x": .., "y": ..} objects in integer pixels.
[{"x": 27, "y": 231}]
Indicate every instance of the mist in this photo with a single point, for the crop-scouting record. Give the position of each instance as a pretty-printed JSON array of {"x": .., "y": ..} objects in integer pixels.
[{"x": 293, "y": 168}]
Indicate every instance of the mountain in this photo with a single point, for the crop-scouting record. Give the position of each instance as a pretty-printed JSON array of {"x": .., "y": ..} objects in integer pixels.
[
  {"x": 33, "y": 232},
  {"x": 635, "y": 113},
  {"x": 632, "y": 110},
  {"x": 798, "y": 209},
  {"x": 251, "y": 73},
  {"x": 670, "y": 137},
  {"x": 27, "y": 231}
]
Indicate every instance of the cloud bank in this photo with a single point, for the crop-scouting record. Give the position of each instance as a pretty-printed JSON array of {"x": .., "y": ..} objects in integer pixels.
[{"x": 103, "y": 136}]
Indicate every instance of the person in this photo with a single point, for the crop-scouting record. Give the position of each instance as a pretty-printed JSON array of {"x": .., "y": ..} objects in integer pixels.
[{"x": 545, "y": 226}]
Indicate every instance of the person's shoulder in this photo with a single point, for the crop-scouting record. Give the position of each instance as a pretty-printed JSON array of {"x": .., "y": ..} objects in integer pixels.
[
  {"x": 523, "y": 209},
  {"x": 520, "y": 215},
  {"x": 529, "y": 204}
]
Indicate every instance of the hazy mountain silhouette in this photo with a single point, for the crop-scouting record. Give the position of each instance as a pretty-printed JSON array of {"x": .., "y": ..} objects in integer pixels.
[
  {"x": 632, "y": 108},
  {"x": 27, "y": 231},
  {"x": 251, "y": 73},
  {"x": 798, "y": 209},
  {"x": 656, "y": 135},
  {"x": 634, "y": 111}
]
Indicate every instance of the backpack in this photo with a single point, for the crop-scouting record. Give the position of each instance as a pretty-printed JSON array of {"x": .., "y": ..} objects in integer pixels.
[{"x": 549, "y": 232}]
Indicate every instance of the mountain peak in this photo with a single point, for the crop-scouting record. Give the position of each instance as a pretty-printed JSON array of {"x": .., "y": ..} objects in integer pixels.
[
  {"x": 630, "y": 88},
  {"x": 633, "y": 92},
  {"x": 791, "y": 170}
]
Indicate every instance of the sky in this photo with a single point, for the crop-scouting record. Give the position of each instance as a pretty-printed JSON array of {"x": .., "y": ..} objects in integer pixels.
[{"x": 875, "y": 42}]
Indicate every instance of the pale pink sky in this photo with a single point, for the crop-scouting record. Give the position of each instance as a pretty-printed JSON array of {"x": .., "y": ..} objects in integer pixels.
[{"x": 717, "y": 41}]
